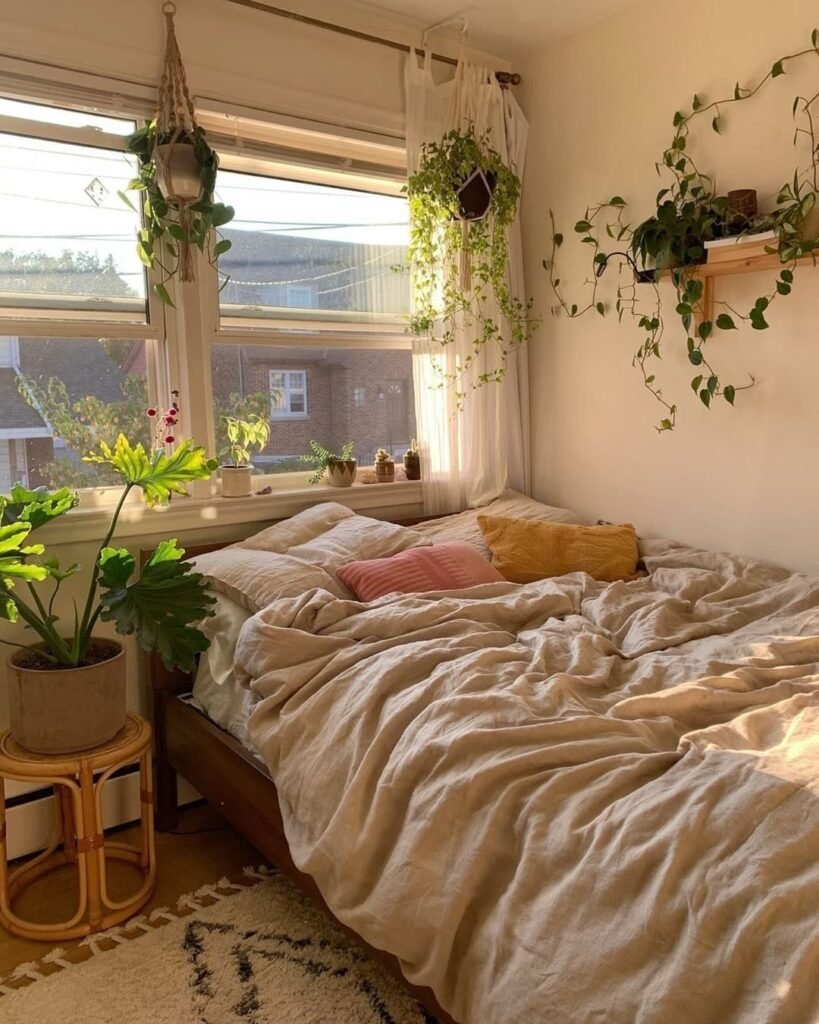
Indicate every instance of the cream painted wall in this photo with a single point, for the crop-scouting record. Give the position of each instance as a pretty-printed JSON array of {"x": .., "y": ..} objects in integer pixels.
[{"x": 600, "y": 106}]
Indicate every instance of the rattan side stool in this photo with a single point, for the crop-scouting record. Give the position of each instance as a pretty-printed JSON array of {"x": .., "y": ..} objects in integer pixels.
[{"x": 79, "y": 780}]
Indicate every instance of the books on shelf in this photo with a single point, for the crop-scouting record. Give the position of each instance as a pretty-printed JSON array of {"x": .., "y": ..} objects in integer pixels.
[{"x": 722, "y": 250}]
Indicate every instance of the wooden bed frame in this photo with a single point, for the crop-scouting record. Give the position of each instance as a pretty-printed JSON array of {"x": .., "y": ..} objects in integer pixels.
[{"x": 238, "y": 784}]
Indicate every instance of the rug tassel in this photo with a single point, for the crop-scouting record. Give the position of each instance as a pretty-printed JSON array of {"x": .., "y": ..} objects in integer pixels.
[
  {"x": 260, "y": 872},
  {"x": 162, "y": 914},
  {"x": 28, "y": 970},
  {"x": 57, "y": 957}
]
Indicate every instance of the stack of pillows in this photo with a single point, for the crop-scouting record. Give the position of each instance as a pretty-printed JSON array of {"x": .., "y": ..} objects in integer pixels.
[{"x": 523, "y": 551}]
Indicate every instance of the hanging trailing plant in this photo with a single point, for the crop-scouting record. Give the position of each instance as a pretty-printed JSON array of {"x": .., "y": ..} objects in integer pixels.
[
  {"x": 176, "y": 179},
  {"x": 463, "y": 199},
  {"x": 689, "y": 212}
]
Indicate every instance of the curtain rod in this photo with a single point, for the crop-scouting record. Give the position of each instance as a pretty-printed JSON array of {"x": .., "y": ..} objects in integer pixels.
[{"x": 503, "y": 77}]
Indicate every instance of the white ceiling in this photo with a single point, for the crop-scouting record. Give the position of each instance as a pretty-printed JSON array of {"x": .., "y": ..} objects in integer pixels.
[{"x": 506, "y": 27}]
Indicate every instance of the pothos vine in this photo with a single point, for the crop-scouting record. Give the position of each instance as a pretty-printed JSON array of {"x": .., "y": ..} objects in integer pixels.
[
  {"x": 440, "y": 244},
  {"x": 690, "y": 212}
]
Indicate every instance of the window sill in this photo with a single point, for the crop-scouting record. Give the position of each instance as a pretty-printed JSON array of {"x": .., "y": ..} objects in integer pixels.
[{"x": 401, "y": 499}]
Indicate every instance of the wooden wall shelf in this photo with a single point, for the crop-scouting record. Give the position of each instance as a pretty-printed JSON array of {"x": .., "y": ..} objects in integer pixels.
[{"x": 709, "y": 272}]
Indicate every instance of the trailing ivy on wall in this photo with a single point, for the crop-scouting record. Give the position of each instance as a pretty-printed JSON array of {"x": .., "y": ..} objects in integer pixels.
[{"x": 690, "y": 212}]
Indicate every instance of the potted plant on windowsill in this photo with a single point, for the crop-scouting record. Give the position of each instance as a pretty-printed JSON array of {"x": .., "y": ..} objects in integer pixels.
[
  {"x": 243, "y": 436},
  {"x": 67, "y": 689},
  {"x": 339, "y": 470}
]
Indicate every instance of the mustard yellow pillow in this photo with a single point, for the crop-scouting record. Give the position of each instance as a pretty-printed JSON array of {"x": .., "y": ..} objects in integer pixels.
[{"x": 525, "y": 550}]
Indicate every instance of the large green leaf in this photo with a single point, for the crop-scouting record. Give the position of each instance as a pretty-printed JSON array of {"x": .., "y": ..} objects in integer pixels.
[
  {"x": 159, "y": 475},
  {"x": 36, "y": 507},
  {"x": 160, "y": 605},
  {"x": 13, "y": 551}
]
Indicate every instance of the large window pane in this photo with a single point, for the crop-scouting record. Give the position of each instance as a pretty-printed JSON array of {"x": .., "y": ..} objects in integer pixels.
[
  {"x": 313, "y": 251},
  {"x": 59, "y": 397},
  {"x": 329, "y": 395},
  {"x": 66, "y": 238}
]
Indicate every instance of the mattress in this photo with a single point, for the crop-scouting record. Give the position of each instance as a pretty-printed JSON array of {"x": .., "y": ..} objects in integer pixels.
[{"x": 228, "y": 701}]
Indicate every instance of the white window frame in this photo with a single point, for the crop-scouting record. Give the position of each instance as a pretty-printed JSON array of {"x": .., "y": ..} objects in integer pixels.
[
  {"x": 289, "y": 389},
  {"x": 146, "y": 322},
  {"x": 179, "y": 339},
  {"x": 335, "y": 331}
]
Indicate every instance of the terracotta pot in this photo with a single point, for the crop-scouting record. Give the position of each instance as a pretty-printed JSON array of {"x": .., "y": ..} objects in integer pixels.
[
  {"x": 61, "y": 711},
  {"x": 236, "y": 481},
  {"x": 341, "y": 472}
]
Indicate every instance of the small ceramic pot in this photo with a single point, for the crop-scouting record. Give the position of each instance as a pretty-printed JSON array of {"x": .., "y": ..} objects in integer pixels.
[
  {"x": 178, "y": 172},
  {"x": 236, "y": 481},
  {"x": 412, "y": 465},
  {"x": 341, "y": 472},
  {"x": 63, "y": 710},
  {"x": 385, "y": 471}
]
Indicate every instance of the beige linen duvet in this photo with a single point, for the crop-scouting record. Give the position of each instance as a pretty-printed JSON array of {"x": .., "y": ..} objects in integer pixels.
[{"x": 566, "y": 802}]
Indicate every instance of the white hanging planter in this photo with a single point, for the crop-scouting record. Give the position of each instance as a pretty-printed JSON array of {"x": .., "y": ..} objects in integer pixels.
[{"x": 178, "y": 173}]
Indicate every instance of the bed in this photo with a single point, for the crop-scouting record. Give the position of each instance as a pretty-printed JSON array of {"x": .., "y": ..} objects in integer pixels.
[{"x": 561, "y": 802}]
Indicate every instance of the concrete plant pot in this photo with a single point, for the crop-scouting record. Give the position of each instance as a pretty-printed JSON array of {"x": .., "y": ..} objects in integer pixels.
[
  {"x": 236, "y": 481},
  {"x": 64, "y": 710},
  {"x": 341, "y": 472}
]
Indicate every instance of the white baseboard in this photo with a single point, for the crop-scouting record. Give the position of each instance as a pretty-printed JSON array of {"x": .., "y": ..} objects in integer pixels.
[{"x": 32, "y": 823}]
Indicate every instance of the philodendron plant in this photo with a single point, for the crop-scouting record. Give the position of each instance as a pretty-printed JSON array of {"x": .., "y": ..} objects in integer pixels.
[{"x": 159, "y": 602}]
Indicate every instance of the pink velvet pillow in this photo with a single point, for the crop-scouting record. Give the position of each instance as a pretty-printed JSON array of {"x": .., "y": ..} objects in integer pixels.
[{"x": 451, "y": 566}]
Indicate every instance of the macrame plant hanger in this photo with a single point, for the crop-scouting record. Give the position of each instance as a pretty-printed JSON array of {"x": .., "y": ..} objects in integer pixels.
[
  {"x": 464, "y": 257},
  {"x": 177, "y": 165}
]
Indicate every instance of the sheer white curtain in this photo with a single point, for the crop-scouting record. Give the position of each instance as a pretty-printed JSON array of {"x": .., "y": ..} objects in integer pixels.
[{"x": 469, "y": 457}]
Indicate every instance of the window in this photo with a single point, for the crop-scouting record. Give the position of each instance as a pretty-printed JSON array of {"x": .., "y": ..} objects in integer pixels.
[
  {"x": 298, "y": 246},
  {"x": 61, "y": 398},
  {"x": 66, "y": 237},
  {"x": 312, "y": 319},
  {"x": 288, "y": 393},
  {"x": 76, "y": 359},
  {"x": 304, "y": 324}
]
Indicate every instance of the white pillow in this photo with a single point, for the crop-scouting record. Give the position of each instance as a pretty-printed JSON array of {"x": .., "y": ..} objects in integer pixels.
[{"x": 300, "y": 554}]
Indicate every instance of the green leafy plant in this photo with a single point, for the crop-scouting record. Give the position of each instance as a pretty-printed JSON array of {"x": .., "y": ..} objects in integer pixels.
[
  {"x": 166, "y": 230},
  {"x": 688, "y": 213},
  {"x": 243, "y": 436},
  {"x": 159, "y": 603},
  {"x": 459, "y": 268},
  {"x": 320, "y": 458}
]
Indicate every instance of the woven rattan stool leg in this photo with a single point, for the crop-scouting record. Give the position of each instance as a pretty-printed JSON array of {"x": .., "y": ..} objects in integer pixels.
[
  {"x": 4, "y": 866},
  {"x": 89, "y": 842},
  {"x": 67, "y": 825},
  {"x": 146, "y": 799}
]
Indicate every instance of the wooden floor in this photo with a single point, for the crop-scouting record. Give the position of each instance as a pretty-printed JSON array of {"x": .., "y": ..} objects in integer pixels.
[{"x": 203, "y": 849}]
